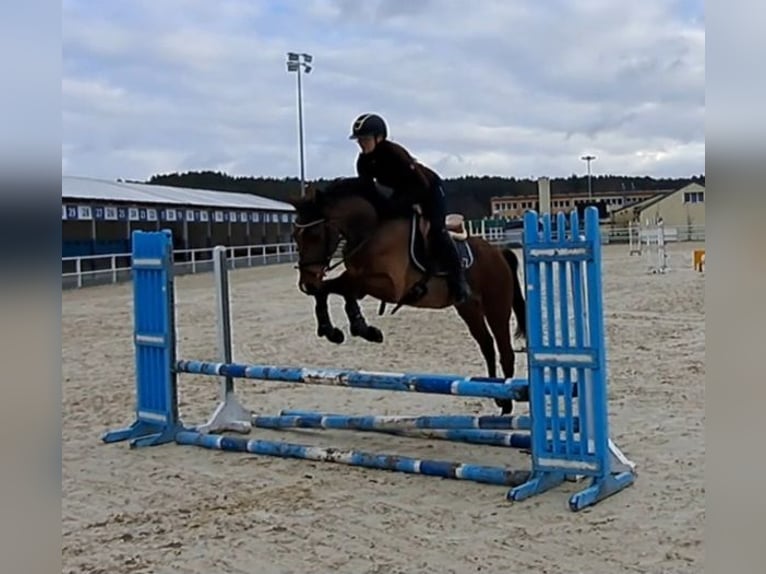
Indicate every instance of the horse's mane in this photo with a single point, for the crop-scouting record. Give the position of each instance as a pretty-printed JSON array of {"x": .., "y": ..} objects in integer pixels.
[
  {"x": 343, "y": 188},
  {"x": 338, "y": 190}
]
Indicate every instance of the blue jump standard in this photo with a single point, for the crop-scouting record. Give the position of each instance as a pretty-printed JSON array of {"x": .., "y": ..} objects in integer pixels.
[{"x": 568, "y": 424}]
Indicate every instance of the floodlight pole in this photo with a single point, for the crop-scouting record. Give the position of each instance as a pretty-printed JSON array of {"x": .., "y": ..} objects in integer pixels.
[
  {"x": 295, "y": 63},
  {"x": 588, "y": 159}
]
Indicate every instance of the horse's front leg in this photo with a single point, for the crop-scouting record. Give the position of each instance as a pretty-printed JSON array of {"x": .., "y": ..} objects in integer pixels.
[
  {"x": 325, "y": 328},
  {"x": 358, "y": 325}
]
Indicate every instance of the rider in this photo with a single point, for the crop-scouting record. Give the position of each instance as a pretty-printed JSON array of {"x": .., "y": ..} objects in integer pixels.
[{"x": 391, "y": 165}]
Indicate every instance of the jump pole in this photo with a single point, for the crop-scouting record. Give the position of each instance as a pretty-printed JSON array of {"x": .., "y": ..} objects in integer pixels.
[{"x": 564, "y": 367}]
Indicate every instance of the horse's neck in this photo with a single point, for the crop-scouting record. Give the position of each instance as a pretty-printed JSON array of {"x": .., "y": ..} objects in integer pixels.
[
  {"x": 358, "y": 223},
  {"x": 389, "y": 237}
]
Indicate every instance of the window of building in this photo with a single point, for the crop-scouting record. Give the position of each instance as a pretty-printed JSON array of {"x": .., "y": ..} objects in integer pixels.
[{"x": 694, "y": 197}]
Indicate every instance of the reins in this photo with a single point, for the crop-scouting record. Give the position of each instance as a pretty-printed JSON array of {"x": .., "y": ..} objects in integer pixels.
[{"x": 326, "y": 262}]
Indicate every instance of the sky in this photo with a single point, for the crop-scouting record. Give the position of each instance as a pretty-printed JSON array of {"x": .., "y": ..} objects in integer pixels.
[{"x": 496, "y": 87}]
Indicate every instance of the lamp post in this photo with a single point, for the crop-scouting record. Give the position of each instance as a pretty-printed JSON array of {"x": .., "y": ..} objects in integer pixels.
[
  {"x": 589, "y": 158},
  {"x": 295, "y": 63}
]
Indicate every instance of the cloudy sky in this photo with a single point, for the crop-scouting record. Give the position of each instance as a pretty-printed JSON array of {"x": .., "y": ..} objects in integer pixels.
[{"x": 499, "y": 87}]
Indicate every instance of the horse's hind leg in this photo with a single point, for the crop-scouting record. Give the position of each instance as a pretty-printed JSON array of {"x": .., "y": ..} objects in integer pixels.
[
  {"x": 498, "y": 307},
  {"x": 500, "y": 324},
  {"x": 472, "y": 314}
]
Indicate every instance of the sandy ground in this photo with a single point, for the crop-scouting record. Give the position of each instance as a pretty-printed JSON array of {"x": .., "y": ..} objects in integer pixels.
[{"x": 189, "y": 510}]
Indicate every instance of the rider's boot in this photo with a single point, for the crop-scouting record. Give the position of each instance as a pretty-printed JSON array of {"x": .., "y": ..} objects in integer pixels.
[{"x": 456, "y": 280}]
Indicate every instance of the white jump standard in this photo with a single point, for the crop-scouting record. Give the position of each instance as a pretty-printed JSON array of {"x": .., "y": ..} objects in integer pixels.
[{"x": 566, "y": 430}]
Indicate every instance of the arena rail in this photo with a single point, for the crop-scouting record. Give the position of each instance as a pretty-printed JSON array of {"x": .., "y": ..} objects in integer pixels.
[{"x": 87, "y": 270}]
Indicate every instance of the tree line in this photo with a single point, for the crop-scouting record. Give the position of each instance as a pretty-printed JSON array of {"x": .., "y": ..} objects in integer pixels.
[{"x": 469, "y": 195}]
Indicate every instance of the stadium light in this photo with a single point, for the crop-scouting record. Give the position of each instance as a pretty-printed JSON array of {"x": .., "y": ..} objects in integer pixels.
[
  {"x": 298, "y": 63},
  {"x": 589, "y": 158}
]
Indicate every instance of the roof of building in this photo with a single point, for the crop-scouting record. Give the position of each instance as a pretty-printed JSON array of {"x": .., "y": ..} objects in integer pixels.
[
  {"x": 74, "y": 187},
  {"x": 650, "y": 201},
  {"x": 654, "y": 200}
]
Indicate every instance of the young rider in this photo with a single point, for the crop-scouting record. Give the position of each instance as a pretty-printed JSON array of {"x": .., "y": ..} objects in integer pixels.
[{"x": 391, "y": 165}]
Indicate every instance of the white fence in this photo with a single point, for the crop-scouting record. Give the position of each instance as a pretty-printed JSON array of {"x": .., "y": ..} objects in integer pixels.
[
  {"x": 677, "y": 233},
  {"x": 101, "y": 269},
  {"x": 619, "y": 235}
]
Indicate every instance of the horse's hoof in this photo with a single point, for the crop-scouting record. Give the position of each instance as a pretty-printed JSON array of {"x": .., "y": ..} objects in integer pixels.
[
  {"x": 506, "y": 406},
  {"x": 336, "y": 336},
  {"x": 332, "y": 334},
  {"x": 367, "y": 332},
  {"x": 373, "y": 334}
]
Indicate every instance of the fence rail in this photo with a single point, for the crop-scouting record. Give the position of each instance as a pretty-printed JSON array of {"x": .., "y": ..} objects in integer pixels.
[
  {"x": 90, "y": 270},
  {"x": 618, "y": 235}
]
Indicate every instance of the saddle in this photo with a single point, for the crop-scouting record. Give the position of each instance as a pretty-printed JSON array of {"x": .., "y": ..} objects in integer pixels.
[
  {"x": 419, "y": 248},
  {"x": 420, "y": 253},
  {"x": 453, "y": 222},
  {"x": 419, "y": 242}
]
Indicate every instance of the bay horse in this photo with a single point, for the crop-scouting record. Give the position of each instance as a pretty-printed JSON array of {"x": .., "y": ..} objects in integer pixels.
[{"x": 386, "y": 256}]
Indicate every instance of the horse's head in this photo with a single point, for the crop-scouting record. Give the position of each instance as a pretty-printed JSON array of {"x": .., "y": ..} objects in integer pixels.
[
  {"x": 322, "y": 219},
  {"x": 316, "y": 239}
]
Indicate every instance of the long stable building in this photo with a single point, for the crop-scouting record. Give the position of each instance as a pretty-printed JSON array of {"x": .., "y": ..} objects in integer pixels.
[{"x": 98, "y": 216}]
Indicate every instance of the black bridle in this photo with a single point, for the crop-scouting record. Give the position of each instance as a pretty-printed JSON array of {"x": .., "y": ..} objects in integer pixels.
[{"x": 329, "y": 249}]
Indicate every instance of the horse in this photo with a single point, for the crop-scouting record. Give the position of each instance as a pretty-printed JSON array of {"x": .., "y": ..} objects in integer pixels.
[{"x": 386, "y": 256}]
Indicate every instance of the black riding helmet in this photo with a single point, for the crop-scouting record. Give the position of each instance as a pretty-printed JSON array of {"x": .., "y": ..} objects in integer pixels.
[{"x": 368, "y": 125}]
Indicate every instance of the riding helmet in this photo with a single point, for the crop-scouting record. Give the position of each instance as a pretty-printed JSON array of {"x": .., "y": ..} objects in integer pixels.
[{"x": 368, "y": 125}]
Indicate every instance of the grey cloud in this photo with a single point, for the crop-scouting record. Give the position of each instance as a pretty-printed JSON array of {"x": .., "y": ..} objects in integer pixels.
[
  {"x": 510, "y": 88},
  {"x": 375, "y": 11}
]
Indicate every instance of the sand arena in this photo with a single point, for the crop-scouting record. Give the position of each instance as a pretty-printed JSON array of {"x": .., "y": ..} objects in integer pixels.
[{"x": 187, "y": 510}]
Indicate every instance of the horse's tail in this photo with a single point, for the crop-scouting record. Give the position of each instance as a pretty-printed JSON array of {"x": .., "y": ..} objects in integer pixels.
[{"x": 519, "y": 305}]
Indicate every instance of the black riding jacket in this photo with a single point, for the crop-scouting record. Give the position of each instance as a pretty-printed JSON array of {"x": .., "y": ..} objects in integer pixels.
[{"x": 392, "y": 166}]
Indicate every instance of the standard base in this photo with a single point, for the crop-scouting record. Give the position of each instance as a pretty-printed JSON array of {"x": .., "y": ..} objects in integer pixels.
[
  {"x": 143, "y": 433},
  {"x": 618, "y": 461},
  {"x": 538, "y": 483},
  {"x": 599, "y": 489},
  {"x": 229, "y": 415}
]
